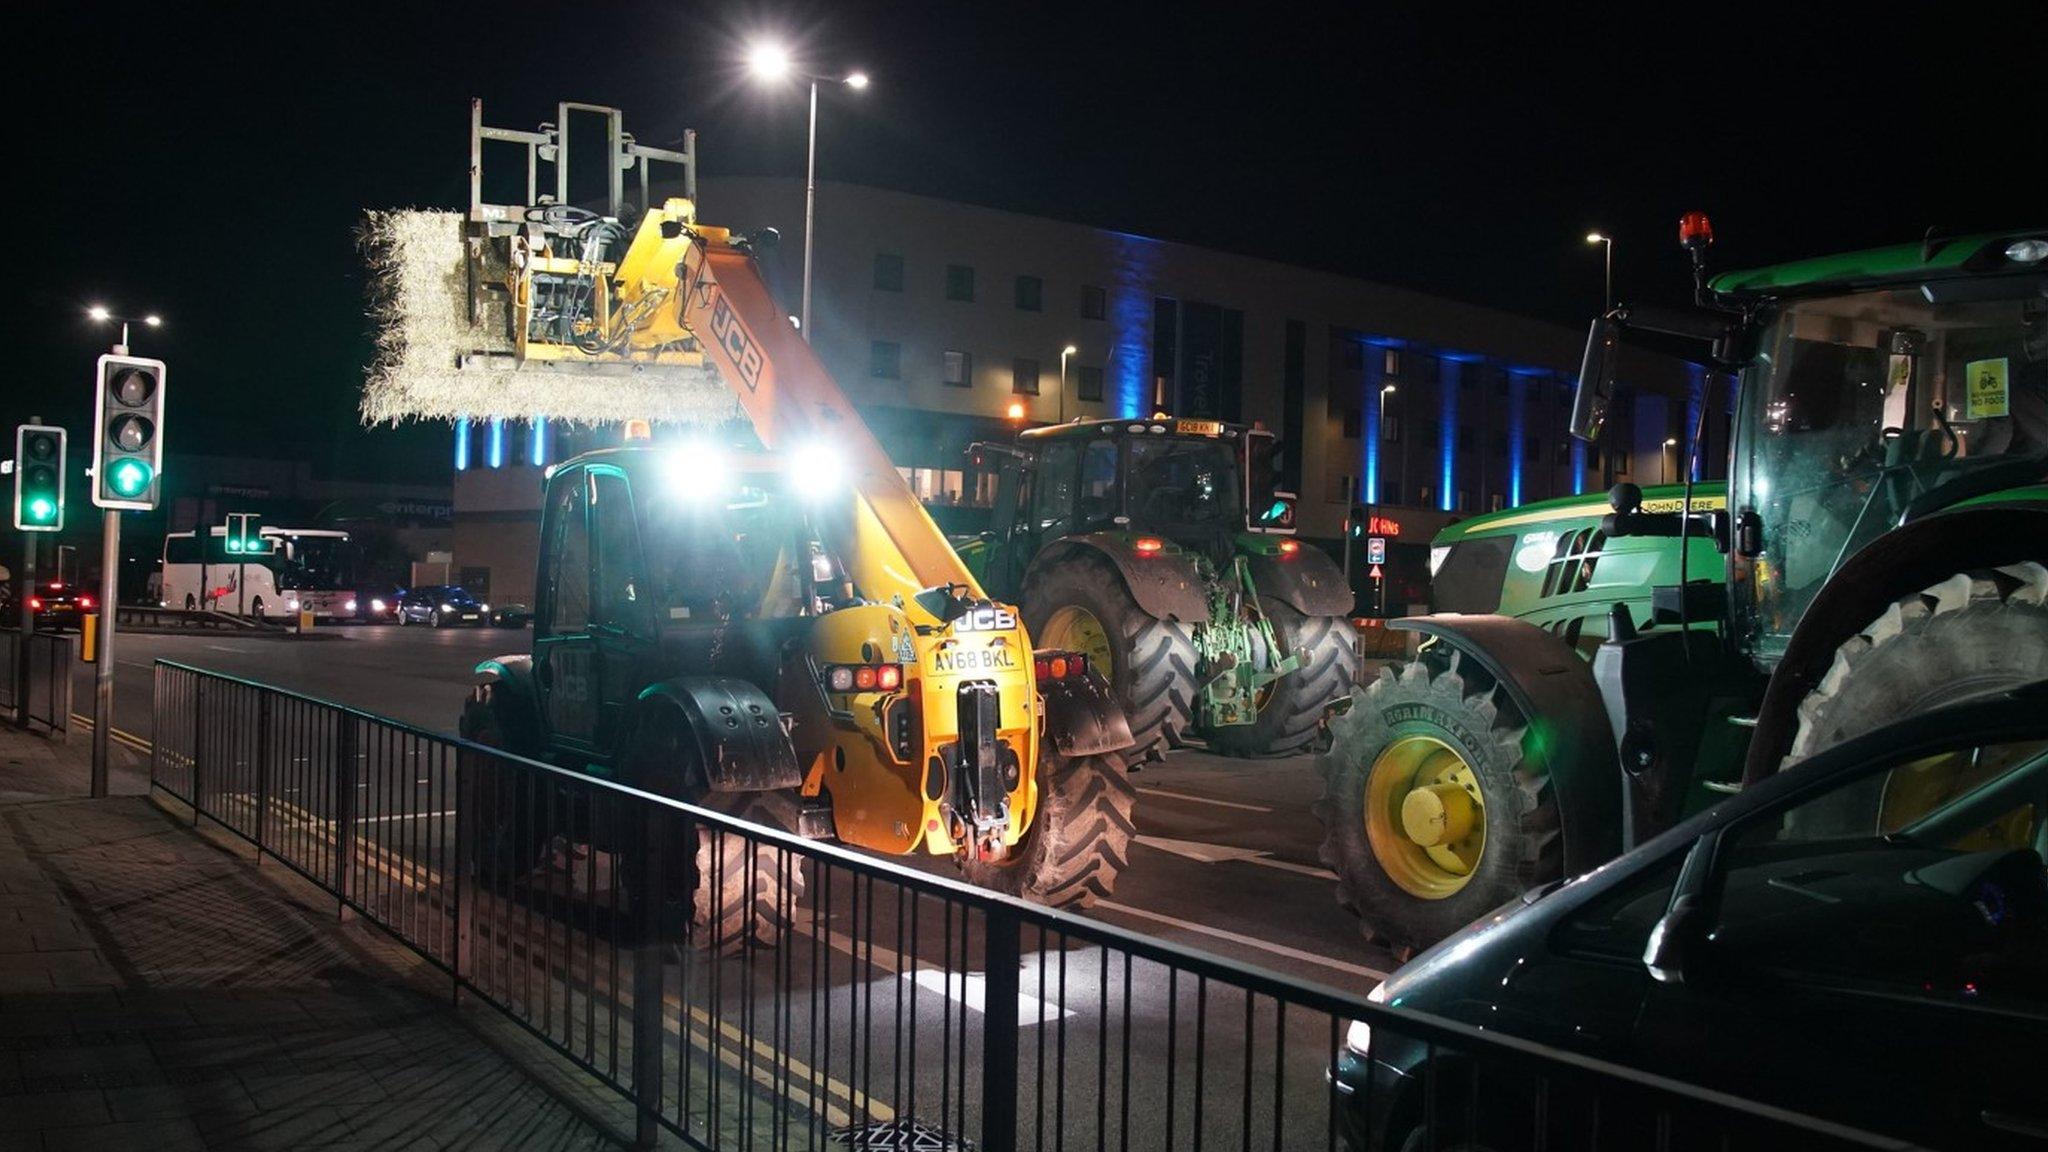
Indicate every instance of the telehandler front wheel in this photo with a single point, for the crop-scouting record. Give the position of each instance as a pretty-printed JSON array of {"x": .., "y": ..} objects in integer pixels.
[
  {"x": 733, "y": 892},
  {"x": 504, "y": 831},
  {"x": 1432, "y": 817},
  {"x": 1291, "y": 708},
  {"x": 1080, "y": 603},
  {"x": 1078, "y": 841}
]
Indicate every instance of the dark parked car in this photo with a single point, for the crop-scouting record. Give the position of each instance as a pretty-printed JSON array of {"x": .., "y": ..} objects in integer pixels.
[
  {"x": 442, "y": 605},
  {"x": 511, "y": 616},
  {"x": 1862, "y": 938},
  {"x": 57, "y": 605}
]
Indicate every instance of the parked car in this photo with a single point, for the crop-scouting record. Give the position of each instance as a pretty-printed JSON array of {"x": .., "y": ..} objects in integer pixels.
[
  {"x": 511, "y": 616},
  {"x": 57, "y": 605},
  {"x": 439, "y": 605},
  {"x": 378, "y": 603},
  {"x": 1862, "y": 938}
]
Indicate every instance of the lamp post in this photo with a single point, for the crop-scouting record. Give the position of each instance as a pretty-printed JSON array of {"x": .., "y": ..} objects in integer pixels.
[
  {"x": 110, "y": 587},
  {"x": 771, "y": 63},
  {"x": 1607, "y": 243},
  {"x": 1379, "y": 591},
  {"x": 1065, "y": 353},
  {"x": 1670, "y": 450}
]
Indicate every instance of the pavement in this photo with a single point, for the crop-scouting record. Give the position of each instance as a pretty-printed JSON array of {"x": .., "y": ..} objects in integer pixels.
[{"x": 160, "y": 990}]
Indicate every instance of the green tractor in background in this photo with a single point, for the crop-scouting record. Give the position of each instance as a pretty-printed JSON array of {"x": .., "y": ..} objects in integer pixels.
[
  {"x": 1881, "y": 549},
  {"x": 1162, "y": 550}
]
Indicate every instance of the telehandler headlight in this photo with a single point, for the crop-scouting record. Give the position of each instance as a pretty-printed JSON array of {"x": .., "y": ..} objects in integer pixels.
[
  {"x": 821, "y": 473},
  {"x": 699, "y": 471}
]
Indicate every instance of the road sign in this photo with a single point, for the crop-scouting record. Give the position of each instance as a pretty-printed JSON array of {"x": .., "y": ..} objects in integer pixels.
[
  {"x": 1376, "y": 550},
  {"x": 1375, "y": 573}
]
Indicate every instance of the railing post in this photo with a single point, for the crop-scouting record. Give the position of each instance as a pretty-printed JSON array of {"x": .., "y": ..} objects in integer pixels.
[
  {"x": 467, "y": 853},
  {"x": 1000, "y": 1033},
  {"x": 344, "y": 809},
  {"x": 647, "y": 981},
  {"x": 262, "y": 768},
  {"x": 198, "y": 745}
]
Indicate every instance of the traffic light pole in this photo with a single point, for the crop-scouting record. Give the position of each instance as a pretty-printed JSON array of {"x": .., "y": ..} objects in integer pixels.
[
  {"x": 103, "y": 672},
  {"x": 26, "y": 592}
]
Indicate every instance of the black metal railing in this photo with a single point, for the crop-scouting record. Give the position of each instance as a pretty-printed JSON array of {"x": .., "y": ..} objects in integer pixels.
[
  {"x": 45, "y": 681},
  {"x": 744, "y": 988}
]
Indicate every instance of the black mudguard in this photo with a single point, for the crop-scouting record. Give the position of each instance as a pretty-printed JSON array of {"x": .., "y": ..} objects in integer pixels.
[
  {"x": 1919, "y": 555},
  {"x": 739, "y": 733},
  {"x": 1307, "y": 581},
  {"x": 514, "y": 676},
  {"x": 1082, "y": 717},
  {"x": 1165, "y": 584},
  {"x": 1568, "y": 736}
]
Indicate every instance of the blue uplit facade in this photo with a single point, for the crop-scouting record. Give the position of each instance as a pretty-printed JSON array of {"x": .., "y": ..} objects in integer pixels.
[
  {"x": 496, "y": 456},
  {"x": 462, "y": 445},
  {"x": 1134, "y": 283},
  {"x": 1450, "y": 374},
  {"x": 537, "y": 450}
]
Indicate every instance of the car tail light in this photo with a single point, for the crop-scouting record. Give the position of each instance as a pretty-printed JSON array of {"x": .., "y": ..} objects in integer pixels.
[
  {"x": 85, "y": 601},
  {"x": 35, "y": 603}
]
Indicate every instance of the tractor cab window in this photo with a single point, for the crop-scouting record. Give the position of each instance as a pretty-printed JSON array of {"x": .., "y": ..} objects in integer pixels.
[
  {"x": 1097, "y": 507},
  {"x": 1183, "y": 485},
  {"x": 1860, "y": 410},
  {"x": 1052, "y": 510},
  {"x": 743, "y": 556}
]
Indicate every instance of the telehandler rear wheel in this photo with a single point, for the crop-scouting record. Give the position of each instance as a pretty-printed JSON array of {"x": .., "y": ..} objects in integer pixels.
[
  {"x": 1432, "y": 817},
  {"x": 1079, "y": 840},
  {"x": 1291, "y": 708},
  {"x": 733, "y": 891},
  {"x": 1080, "y": 603}
]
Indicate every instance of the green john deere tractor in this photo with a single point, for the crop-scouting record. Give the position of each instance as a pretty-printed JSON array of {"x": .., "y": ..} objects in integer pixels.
[
  {"x": 1162, "y": 550},
  {"x": 1589, "y": 679}
]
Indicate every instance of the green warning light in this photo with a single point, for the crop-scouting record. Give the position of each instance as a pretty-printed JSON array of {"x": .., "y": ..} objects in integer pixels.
[
  {"x": 130, "y": 478},
  {"x": 42, "y": 509}
]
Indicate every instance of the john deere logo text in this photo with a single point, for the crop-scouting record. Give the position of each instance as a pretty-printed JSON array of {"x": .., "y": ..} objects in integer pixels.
[{"x": 740, "y": 349}]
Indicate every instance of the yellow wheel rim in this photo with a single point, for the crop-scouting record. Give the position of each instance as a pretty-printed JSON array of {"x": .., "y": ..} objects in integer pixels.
[
  {"x": 1077, "y": 630},
  {"x": 1425, "y": 817}
]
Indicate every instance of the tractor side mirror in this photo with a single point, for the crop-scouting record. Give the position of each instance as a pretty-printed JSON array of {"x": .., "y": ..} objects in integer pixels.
[
  {"x": 1673, "y": 941},
  {"x": 1596, "y": 378}
]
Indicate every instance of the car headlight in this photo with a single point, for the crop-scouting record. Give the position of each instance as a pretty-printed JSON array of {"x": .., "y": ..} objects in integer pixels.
[
  {"x": 1358, "y": 1037},
  {"x": 376, "y": 605},
  {"x": 291, "y": 605},
  {"x": 349, "y": 607},
  {"x": 483, "y": 607},
  {"x": 447, "y": 607},
  {"x": 1437, "y": 555}
]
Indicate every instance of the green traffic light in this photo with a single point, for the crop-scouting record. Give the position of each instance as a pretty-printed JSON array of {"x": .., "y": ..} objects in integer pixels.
[
  {"x": 42, "y": 509},
  {"x": 130, "y": 478},
  {"x": 234, "y": 545}
]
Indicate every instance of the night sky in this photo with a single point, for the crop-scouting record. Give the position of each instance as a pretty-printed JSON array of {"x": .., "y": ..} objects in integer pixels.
[{"x": 210, "y": 162}]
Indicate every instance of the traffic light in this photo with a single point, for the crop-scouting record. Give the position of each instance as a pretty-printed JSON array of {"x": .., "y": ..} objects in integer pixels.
[
  {"x": 244, "y": 535},
  {"x": 128, "y": 447},
  {"x": 1358, "y": 521},
  {"x": 38, "y": 478}
]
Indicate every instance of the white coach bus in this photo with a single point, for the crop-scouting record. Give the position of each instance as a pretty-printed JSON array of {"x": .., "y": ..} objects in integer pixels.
[{"x": 310, "y": 568}]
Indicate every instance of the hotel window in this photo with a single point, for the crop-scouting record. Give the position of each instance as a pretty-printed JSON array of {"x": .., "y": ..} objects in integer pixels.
[
  {"x": 1353, "y": 424},
  {"x": 885, "y": 359},
  {"x": 1030, "y": 294},
  {"x": 1390, "y": 492},
  {"x": 1464, "y": 500},
  {"x": 956, "y": 368},
  {"x": 1354, "y": 354},
  {"x": 959, "y": 282},
  {"x": 1390, "y": 428},
  {"x": 1495, "y": 502},
  {"x": 1024, "y": 376},
  {"x": 1094, "y": 302},
  {"x": 1343, "y": 488},
  {"x": 888, "y": 272},
  {"x": 1390, "y": 361},
  {"x": 1087, "y": 382}
]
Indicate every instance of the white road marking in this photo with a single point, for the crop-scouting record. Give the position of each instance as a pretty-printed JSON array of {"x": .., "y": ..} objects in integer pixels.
[
  {"x": 1247, "y": 941},
  {"x": 1193, "y": 799},
  {"x": 971, "y": 991},
  {"x": 226, "y": 648},
  {"x": 1220, "y": 853}
]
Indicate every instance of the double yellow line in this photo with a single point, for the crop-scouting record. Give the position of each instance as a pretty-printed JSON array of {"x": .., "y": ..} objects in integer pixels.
[{"x": 127, "y": 739}]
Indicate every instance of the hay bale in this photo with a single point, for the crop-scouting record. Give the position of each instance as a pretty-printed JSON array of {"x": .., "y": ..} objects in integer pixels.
[{"x": 419, "y": 304}]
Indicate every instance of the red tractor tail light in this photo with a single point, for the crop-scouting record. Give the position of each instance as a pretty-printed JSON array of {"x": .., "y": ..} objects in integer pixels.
[
  {"x": 1289, "y": 547},
  {"x": 889, "y": 677},
  {"x": 864, "y": 678},
  {"x": 1059, "y": 667},
  {"x": 1148, "y": 545}
]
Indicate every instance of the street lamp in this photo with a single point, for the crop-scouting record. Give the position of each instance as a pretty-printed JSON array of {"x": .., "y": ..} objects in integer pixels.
[
  {"x": 1670, "y": 450},
  {"x": 1065, "y": 353},
  {"x": 1606, "y": 242},
  {"x": 102, "y": 314},
  {"x": 771, "y": 63}
]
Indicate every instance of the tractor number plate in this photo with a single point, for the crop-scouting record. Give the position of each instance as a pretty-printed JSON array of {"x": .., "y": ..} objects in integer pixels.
[
  {"x": 973, "y": 660},
  {"x": 1198, "y": 427}
]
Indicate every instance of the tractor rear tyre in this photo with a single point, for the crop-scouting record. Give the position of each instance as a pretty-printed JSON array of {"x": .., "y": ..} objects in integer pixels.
[
  {"x": 1432, "y": 817},
  {"x": 733, "y": 891},
  {"x": 1079, "y": 840},
  {"x": 1080, "y": 603},
  {"x": 1974, "y": 634},
  {"x": 1291, "y": 708}
]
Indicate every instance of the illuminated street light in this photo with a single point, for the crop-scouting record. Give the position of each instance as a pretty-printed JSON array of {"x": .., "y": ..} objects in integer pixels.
[
  {"x": 1606, "y": 242},
  {"x": 1065, "y": 354},
  {"x": 770, "y": 62},
  {"x": 1670, "y": 444},
  {"x": 99, "y": 312},
  {"x": 1016, "y": 410}
]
